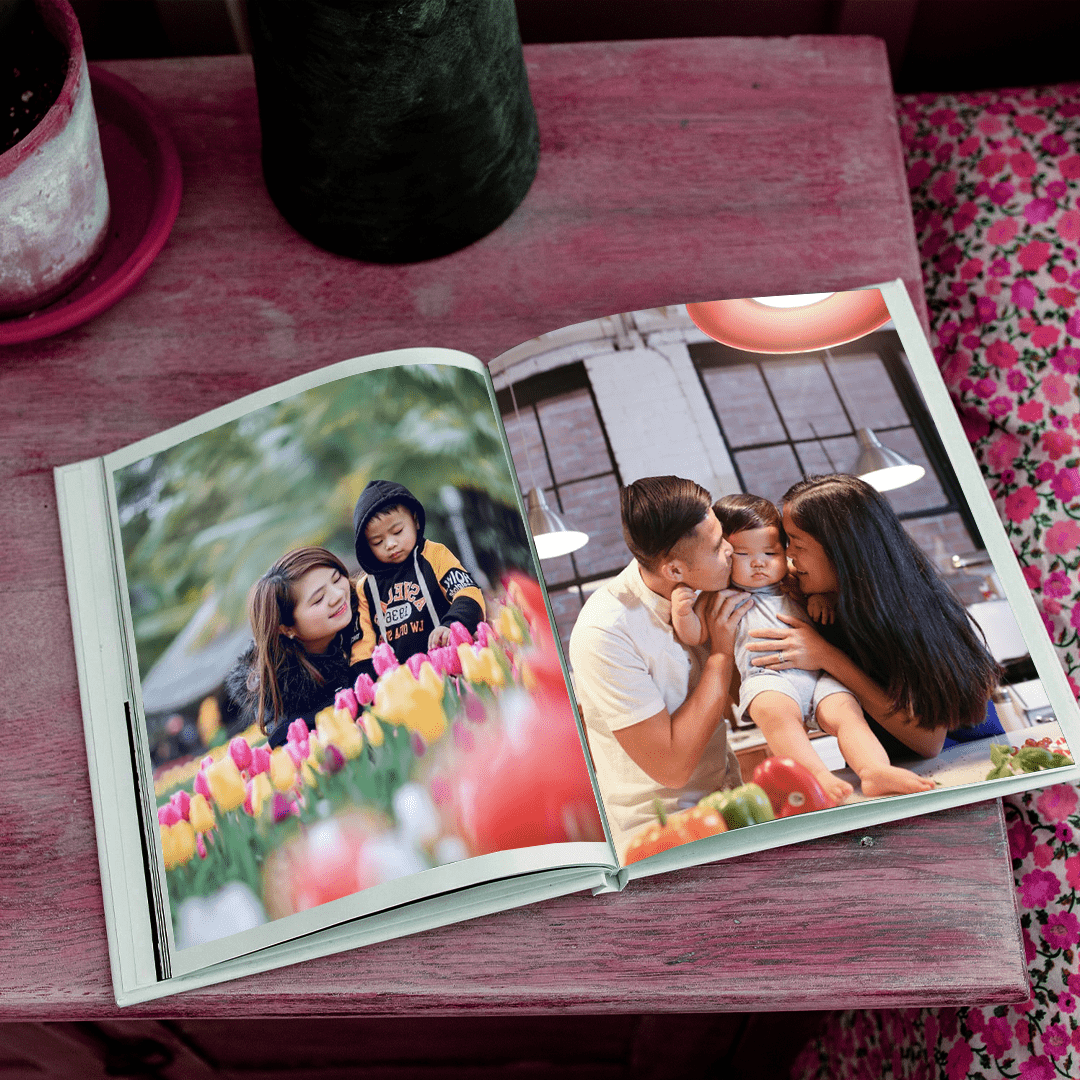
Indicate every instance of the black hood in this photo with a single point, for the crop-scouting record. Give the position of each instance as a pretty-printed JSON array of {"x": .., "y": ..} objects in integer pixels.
[{"x": 378, "y": 495}]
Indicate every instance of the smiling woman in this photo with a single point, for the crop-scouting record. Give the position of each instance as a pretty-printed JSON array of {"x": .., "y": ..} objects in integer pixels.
[{"x": 302, "y": 611}]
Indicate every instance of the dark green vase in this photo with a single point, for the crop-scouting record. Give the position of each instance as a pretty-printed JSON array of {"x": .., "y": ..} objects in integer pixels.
[{"x": 393, "y": 130}]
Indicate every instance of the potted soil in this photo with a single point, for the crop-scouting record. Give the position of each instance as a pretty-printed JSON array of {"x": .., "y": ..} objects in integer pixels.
[{"x": 54, "y": 202}]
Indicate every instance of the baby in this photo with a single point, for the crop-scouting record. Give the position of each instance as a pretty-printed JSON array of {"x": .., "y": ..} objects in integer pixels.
[{"x": 783, "y": 703}]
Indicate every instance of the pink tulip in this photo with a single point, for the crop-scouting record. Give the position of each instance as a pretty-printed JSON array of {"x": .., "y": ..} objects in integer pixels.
[
  {"x": 240, "y": 752},
  {"x": 200, "y": 845},
  {"x": 208, "y": 760},
  {"x": 281, "y": 807},
  {"x": 168, "y": 814},
  {"x": 383, "y": 659},
  {"x": 202, "y": 786},
  {"x": 298, "y": 732},
  {"x": 346, "y": 699},
  {"x": 463, "y": 738},
  {"x": 418, "y": 744},
  {"x": 364, "y": 689},
  {"x": 474, "y": 708},
  {"x": 445, "y": 660},
  {"x": 333, "y": 759},
  {"x": 459, "y": 635},
  {"x": 260, "y": 760},
  {"x": 182, "y": 801},
  {"x": 298, "y": 752},
  {"x": 485, "y": 635},
  {"x": 414, "y": 662}
]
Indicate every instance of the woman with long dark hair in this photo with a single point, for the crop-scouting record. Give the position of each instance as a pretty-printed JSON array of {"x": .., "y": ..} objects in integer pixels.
[
  {"x": 901, "y": 641},
  {"x": 302, "y": 612}
]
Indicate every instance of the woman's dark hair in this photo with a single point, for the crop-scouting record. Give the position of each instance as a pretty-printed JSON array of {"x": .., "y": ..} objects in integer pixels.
[
  {"x": 657, "y": 512},
  {"x": 272, "y": 605},
  {"x": 901, "y": 623},
  {"x": 738, "y": 512}
]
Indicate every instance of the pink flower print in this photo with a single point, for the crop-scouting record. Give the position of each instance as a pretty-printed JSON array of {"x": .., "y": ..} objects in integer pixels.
[
  {"x": 1057, "y": 803},
  {"x": 1066, "y": 1002},
  {"x": 1026, "y": 324},
  {"x": 992, "y": 287},
  {"x": 1029, "y": 955},
  {"x": 1001, "y": 193},
  {"x": 992, "y": 164},
  {"x": 1001, "y": 354},
  {"x": 1020, "y": 504},
  {"x": 1057, "y": 584},
  {"x": 1072, "y": 327},
  {"x": 1056, "y": 443},
  {"x": 959, "y": 1061},
  {"x": 1008, "y": 477},
  {"x": 971, "y": 269},
  {"x": 999, "y": 407},
  {"x": 999, "y": 267},
  {"x": 1061, "y": 296},
  {"x": 941, "y": 117},
  {"x": 1057, "y": 189},
  {"x": 918, "y": 173},
  {"x": 1048, "y": 623},
  {"x": 1042, "y": 337},
  {"x": 1068, "y": 225},
  {"x": 1055, "y": 1040},
  {"x": 964, "y": 216},
  {"x": 1016, "y": 381},
  {"x": 1039, "y": 210},
  {"x": 1059, "y": 274},
  {"x": 1051, "y": 607},
  {"x": 1003, "y": 451},
  {"x": 1024, "y": 294},
  {"x": 1070, "y": 167},
  {"x": 1033, "y": 254},
  {"x": 1021, "y": 839},
  {"x": 976, "y": 1020},
  {"x": 1066, "y": 487},
  {"x": 1043, "y": 856},
  {"x": 990, "y": 125},
  {"x": 1001, "y": 232},
  {"x": 1022, "y": 1031},
  {"x": 968, "y": 146},
  {"x": 1038, "y": 888},
  {"x": 1056, "y": 390},
  {"x": 942, "y": 187},
  {"x": 1074, "y": 617},
  {"x": 1054, "y": 144},
  {"x": 1022, "y": 164},
  {"x": 1037, "y": 1068},
  {"x": 1029, "y": 123},
  {"x": 1066, "y": 360},
  {"x": 997, "y": 1035},
  {"x": 1063, "y": 832},
  {"x": 1030, "y": 412},
  {"x": 947, "y": 261},
  {"x": 985, "y": 387},
  {"x": 1033, "y": 576}
]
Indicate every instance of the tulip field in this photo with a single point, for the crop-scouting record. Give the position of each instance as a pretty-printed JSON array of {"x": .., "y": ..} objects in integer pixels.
[{"x": 469, "y": 749}]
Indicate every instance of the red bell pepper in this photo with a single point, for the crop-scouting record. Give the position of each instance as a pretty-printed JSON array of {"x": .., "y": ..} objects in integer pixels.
[{"x": 791, "y": 787}]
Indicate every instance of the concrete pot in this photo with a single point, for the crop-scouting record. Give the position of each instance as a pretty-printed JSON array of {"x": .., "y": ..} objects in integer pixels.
[{"x": 54, "y": 201}]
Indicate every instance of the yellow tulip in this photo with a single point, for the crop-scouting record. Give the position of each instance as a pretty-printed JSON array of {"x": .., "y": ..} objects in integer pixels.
[
  {"x": 372, "y": 728},
  {"x": 528, "y": 679},
  {"x": 226, "y": 784},
  {"x": 400, "y": 699},
  {"x": 168, "y": 846},
  {"x": 430, "y": 679},
  {"x": 308, "y": 774},
  {"x": 337, "y": 728},
  {"x": 480, "y": 666},
  {"x": 282, "y": 769},
  {"x": 200, "y": 814},
  {"x": 509, "y": 627},
  {"x": 183, "y": 839},
  {"x": 260, "y": 792}
]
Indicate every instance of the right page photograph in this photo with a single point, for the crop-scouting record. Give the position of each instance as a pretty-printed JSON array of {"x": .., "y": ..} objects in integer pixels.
[{"x": 778, "y": 579}]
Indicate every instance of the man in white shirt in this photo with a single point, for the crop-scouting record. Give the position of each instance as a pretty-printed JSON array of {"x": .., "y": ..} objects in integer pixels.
[{"x": 653, "y": 707}]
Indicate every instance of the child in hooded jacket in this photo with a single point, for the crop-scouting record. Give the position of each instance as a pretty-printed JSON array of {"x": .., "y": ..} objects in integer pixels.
[{"x": 414, "y": 588}]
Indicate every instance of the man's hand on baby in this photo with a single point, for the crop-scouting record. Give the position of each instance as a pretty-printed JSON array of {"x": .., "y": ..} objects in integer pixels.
[
  {"x": 438, "y": 637},
  {"x": 821, "y": 607}
]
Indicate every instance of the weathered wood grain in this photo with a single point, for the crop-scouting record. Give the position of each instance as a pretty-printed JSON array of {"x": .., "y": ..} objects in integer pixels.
[{"x": 670, "y": 171}]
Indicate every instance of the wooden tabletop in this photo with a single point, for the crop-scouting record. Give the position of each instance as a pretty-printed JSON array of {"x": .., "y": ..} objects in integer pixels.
[{"x": 670, "y": 171}]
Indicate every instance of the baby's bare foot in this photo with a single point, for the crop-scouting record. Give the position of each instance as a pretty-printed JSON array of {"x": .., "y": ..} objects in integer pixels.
[
  {"x": 837, "y": 790},
  {"x": 892, "y": 780}
]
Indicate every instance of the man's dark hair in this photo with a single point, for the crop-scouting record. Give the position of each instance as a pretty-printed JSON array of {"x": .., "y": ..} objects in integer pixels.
[
  {"x": 738, "y": 512},
  {"x": 657, "y": 512}
]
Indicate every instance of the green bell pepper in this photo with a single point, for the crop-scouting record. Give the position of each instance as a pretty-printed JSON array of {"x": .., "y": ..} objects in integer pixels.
[{"x": 745, "y": 805}]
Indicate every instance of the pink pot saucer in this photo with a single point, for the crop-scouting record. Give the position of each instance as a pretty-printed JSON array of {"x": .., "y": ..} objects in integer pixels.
[{"x": 142, "y": 168}]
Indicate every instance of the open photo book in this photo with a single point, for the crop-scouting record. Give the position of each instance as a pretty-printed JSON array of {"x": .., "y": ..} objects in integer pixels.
[{"x": 413, "y": 638}]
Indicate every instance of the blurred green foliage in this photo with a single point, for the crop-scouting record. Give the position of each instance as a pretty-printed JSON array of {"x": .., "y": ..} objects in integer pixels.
[{"x": 213, "y": 513}]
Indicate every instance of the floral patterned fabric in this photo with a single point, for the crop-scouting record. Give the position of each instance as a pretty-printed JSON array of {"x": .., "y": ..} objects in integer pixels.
[{"x": 995, "y": 187}]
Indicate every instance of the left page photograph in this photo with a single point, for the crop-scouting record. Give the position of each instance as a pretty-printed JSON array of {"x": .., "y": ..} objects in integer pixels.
[{"x": 295, "y": 579}]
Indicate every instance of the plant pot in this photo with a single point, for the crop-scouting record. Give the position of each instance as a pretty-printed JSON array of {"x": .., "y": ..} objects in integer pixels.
[
  {"x": 54, "y": 202},
  {"x": 393, "y": 130}
]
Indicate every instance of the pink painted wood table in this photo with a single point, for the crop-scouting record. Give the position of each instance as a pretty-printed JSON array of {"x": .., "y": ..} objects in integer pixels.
[{"x": 670, "y": 171}]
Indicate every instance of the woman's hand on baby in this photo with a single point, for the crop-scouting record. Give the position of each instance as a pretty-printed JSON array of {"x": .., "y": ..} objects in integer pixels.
[
  {"x": 800, "y": 646},
  {"x": 723, "y": 613},
  {"x": 821, "y": 607},
  {"x": 438, "y": 637}
]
